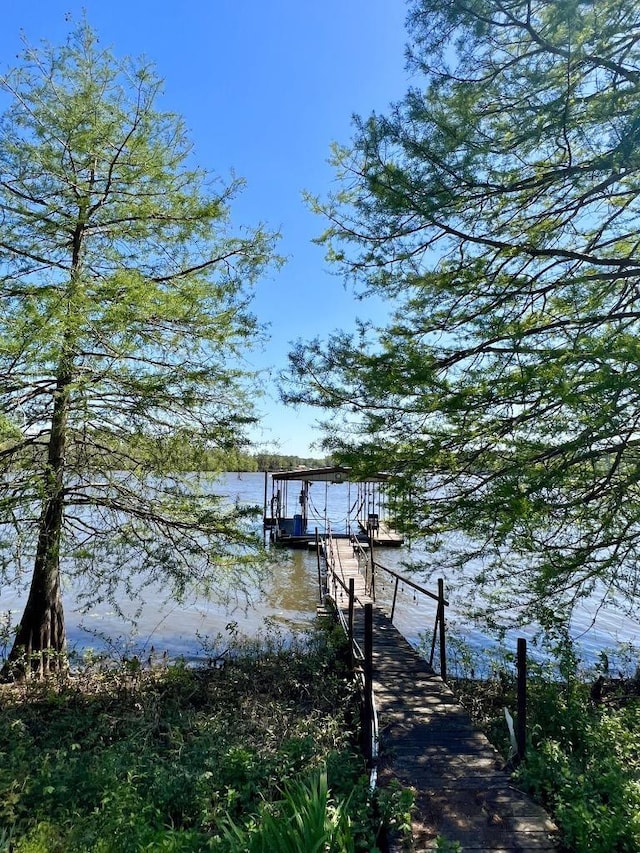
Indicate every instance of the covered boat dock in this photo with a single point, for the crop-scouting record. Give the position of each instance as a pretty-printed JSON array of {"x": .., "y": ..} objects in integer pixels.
[{"x": 294, "y": 510}]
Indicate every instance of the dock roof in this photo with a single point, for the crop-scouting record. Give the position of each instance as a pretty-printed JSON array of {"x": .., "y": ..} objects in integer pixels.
[{"x": 330, "y": 474}]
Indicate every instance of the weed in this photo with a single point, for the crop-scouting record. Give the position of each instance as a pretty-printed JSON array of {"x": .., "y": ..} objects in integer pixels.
[
  {"x": 304, "y": 819},
  {"x": 134, "y": 757},
  {"x": 445, "y": 846}
]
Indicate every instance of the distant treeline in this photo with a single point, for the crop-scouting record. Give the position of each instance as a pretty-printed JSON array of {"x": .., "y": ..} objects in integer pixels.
[
  {"x": 180, "y": 451},
  {"x": 238, "y": 460},
  {"x": 278, "y": 462},
  {"x": 180, "y": 454}
]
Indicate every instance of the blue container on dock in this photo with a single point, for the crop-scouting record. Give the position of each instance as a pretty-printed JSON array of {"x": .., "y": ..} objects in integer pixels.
[{"x": 297, "y": 525}]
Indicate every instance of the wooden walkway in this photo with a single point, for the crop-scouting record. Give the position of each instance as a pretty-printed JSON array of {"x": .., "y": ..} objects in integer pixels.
[{"x": 428, "y": 742}]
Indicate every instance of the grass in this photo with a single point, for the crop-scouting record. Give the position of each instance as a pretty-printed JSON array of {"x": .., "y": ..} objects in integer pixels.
[{"x": 173, "y": 758}]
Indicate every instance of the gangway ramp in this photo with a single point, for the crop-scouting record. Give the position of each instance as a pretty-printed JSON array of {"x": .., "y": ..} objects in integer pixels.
[
  {"x": 428, "y": 742},
  {"x": 346, "y": 567}
]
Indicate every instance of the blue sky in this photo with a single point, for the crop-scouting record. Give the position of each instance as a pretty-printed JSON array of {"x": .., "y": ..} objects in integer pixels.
[{"x": 265, "y": 86}]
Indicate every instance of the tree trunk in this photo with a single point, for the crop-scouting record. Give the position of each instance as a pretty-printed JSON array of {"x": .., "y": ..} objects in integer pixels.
[{"x": 40, "y": 641}]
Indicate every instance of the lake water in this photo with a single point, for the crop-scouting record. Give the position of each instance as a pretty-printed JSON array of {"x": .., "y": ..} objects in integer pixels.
[{"x": 289, "y": 599}]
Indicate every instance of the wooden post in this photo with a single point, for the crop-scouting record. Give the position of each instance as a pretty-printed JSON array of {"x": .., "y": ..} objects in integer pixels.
[
  {"x": 320, "y": 595},
  {"x": 368, "y": 682},
  {"x": 521, "y": 725},
  {"x": 352, "y": 596},
  {"x": 443, "y": 644}
]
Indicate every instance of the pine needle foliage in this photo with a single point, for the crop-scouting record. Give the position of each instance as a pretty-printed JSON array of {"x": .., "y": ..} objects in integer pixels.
[
  {"x": 125, "y": 293},
  {"x": 496, "y": 207}
]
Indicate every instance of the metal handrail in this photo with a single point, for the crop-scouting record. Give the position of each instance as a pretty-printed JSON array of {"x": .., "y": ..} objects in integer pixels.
[
  {"x": 439, "y": 598},
  {"x": 357, "y": 547},
  {"x": 358, "y": 657},
  {"x": 367, "y": 556}
]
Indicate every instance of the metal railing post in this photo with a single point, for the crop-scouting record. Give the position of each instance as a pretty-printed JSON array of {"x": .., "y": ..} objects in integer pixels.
[
  {"x": 373, "y": 567},
  {"x": 395, "y": 594},
  {"x": 320, "y": 595},
  {"x": 352, "y": 596},
  {"x": 368, "y": 681},
  {"x": 521, "y": 726},
  {"x": 443, "y": 648}
]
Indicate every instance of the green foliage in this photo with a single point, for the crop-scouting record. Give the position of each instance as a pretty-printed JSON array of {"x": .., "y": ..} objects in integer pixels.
[
  {"x": 119, "y": 760},
  {"x": 394, "y": 805},
  {"x": 495, "y": 207},
  {"x": 446, "y": 846},
  {"x": 583, "y": 764},
  {"x": 305, "y": 819},
  {"x": 125, "y": 295},
  {"x": 280, "y": 462}
]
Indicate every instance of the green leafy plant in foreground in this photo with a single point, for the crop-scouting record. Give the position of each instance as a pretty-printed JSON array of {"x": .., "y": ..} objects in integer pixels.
[
  {"x": 172, "y": 758},
  {"x": 446, "y": 846},
  {"x": 305, "y": 819},
  {"x": 584, "y": 764}
]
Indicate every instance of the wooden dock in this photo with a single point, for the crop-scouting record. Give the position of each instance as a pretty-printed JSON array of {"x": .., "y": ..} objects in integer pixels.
[
  {"x": 427, "y": 742},
  {"x": 384, "y": 536}
]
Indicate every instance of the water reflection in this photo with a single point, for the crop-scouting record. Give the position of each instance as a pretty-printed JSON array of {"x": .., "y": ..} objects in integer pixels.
[
  {"x": 594, "y": 626},
  {"x": 288, "y": 595},
  {"x": 294, "y": 586}
]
